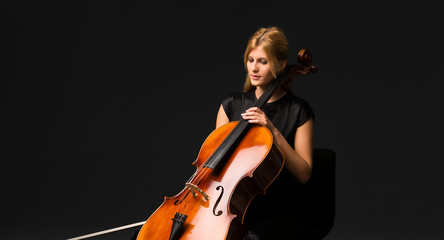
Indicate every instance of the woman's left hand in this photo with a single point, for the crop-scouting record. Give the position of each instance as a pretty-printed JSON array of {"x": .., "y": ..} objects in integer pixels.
[{"x": 256, "y": 115}]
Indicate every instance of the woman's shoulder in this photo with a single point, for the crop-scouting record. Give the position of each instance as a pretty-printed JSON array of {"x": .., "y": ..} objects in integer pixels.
[
  {"x": 296, "y": 100},
  {"x": 302, "y": 108}
]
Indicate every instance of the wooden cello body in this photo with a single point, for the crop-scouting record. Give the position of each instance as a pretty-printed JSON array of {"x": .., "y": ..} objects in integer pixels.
[
  {"x": 236, "y": 162},
  {"x": 253, "y": 165}
]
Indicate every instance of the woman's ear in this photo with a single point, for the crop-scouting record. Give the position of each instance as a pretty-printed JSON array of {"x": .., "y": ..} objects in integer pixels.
[{"x": 283, "y": 64}]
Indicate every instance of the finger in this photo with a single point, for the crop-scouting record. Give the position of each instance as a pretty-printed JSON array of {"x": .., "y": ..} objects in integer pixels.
[
  {"x": 253, "y": 118},
  {"x": 250, "y": 114},
  {"x": 254, "y": 121},
  {"x": 253, "y": 109}
]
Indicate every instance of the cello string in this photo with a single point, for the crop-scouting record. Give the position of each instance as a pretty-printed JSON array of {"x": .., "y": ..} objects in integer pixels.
[{"x": 192, "y": 176}]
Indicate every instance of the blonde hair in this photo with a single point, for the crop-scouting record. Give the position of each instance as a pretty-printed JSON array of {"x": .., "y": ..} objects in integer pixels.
[{"x": 275, "y": 45}]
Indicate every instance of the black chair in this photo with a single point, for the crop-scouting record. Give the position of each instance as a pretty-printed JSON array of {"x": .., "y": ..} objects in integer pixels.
[{"x": 307, "y": 211}]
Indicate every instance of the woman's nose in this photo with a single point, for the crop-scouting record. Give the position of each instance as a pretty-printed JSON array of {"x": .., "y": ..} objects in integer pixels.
[{"x": 255, "y": 67}]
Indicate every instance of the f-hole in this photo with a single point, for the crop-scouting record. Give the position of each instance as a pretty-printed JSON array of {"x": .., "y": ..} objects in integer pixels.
[{"x": 217, "y": 201}]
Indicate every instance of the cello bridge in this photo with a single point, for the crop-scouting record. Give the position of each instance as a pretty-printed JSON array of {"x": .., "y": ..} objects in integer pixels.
[{"x": 193, "y": 188}]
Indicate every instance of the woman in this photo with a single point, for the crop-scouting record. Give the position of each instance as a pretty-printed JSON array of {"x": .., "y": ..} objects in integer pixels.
[{"x": 290, "y": 120}]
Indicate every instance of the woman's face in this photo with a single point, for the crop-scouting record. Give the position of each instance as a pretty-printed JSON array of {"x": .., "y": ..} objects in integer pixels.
[{"x": 259, "y": 68}]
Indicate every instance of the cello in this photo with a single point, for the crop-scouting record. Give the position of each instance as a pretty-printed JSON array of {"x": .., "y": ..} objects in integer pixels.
[{"x": 235, "y": 163}]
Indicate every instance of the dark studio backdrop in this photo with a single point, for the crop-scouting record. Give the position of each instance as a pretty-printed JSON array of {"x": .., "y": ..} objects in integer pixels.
[{"x": 105, "y": 104}]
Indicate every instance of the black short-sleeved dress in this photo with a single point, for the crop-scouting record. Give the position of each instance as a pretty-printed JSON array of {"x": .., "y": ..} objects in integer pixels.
[{"x": 279, "y": 214}]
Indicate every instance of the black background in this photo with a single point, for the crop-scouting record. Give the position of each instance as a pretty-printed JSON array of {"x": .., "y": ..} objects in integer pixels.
[{"x": 104, "y": 106}]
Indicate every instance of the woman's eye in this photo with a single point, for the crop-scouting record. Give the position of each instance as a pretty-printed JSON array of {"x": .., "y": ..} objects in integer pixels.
[
  {"x": 264, "y": 62},
  {"x": 250, "y": 60}
]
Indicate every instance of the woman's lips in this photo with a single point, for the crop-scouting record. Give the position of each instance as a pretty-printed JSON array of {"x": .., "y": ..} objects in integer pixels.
[{"x": 255, "y": 77}]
